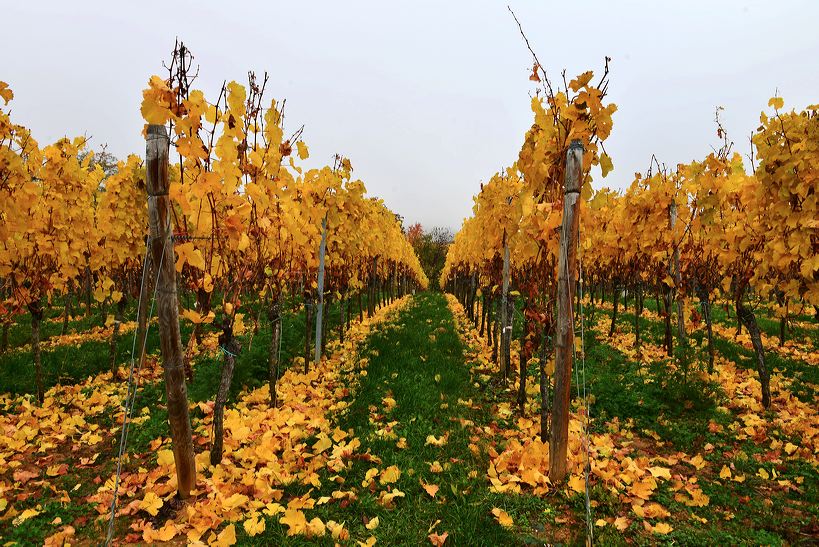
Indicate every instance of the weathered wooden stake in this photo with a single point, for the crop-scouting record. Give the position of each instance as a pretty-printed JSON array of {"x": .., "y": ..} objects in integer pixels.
[
  {"x": 230, "y": 347},
  {"x": 567, "y": 269},
  {"x": 274, "y": 316},
  {"x": 320, "y": 306},
  {"x": 159, "y": 209},
  {"x": 142, "y": 317},
  {"x": 506, "y": 330},
  {"x": 672, "y": 214},
  {"x": 36, "y": 311},
  {"x": 112, "y": 347}
]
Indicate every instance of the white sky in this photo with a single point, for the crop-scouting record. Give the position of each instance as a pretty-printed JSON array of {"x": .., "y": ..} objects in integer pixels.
[{"x": 426, "y": 98}]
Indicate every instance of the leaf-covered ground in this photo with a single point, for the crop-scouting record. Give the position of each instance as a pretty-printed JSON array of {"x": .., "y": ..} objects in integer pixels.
[{"x": 406, "y": 435}]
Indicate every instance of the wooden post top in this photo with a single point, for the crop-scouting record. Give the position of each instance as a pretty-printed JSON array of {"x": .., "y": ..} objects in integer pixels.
[
  {"x": 156, "y": 160},
  {"x": 155, "y": 130},
  {"x": 574, "y": 159}
]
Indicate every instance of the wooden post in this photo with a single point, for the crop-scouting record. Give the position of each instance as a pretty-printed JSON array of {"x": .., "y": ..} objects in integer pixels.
[
  {"x": 672, "y": 214},
  {"x": 142, "y": 317},
  {"x": 162, "y": 259},
  {"x": 320, "y": 307},
  {"x": 506, "y": 329},
  {"x": 35, "y": 308},
  {"x": 274, "y": 315},
  {"x": 545, "y": 386},
  {"x": 112, "y": 347},
  {"x": 567, "y": 268},
  {"x": 372, "y": 289},
  {"x": 472, "y": 297},
  {"x": 230, "y": 347},
  {"x": 308, "y": 314}
]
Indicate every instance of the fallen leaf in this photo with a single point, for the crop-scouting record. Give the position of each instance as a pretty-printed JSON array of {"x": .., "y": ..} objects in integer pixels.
[
  {"x": 430, "y": 489},
  {"x": 390, "y": 475},
  {"x": 502, "y": 517},
  {"x": 151, "y": 503}
]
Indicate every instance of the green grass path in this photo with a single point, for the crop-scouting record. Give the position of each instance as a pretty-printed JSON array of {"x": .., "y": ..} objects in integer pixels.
[{"x": 421, "y": 374}]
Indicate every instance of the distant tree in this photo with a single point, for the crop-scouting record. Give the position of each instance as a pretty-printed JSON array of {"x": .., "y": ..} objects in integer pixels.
[
  {"x": 102, "y": 157},
  {"x": 414, "y": 233},
  {"x": 431, "y": 247}
]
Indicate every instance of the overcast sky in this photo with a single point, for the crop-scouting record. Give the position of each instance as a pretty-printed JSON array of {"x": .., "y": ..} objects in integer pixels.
[{"x": 429, "y": 98}]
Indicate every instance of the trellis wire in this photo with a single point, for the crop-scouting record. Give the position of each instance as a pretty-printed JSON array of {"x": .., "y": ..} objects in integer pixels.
[
  {"x": 580, "y": 379},
  {"x": 130, "y": 398}
]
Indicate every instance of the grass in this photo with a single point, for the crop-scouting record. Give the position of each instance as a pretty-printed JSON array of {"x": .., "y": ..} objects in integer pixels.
[
  {"x": 419, "y": 386},
  {"x": 657, "y": 399},
  {"x": 426, "y": 377},
  {"x": 805, "y": 376},
  {"x": 69, "y": 364}
]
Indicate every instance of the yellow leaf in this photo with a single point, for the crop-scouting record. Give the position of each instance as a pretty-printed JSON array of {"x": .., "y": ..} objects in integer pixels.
[
  {"x": 373, "y": 524},
  {"x": 581, "y": 80},
  {"x": 189, "y": 255},
  {"x": 166, "y": 533},
  {"x": 5, "y": 92},
  {"x": 337, "y": 530},
  {"x": 207, "y": 283},
  {"x": 295, "y": 521},
  {"x": 658, "y": 472},
  {"x": 790, "y": 448},
  {"x": 234, "y": 501},
  {"x": 436, "y": 441},
  {"x": 643, "y": 489},
  {"x": 725, "y": 472},
  {"x": 155, "y": 101},
  {"x": 25, "y": 515},
  {"x": 316, "y": 527},
  {"x": 55, "y": 470},
  {"x": 226, "y": 537},
  {"x": 577, "y": 483},
  {"x": 387, "y": 499},
  {"x": 697, "y": 461},
  {"x": 301, "y": 148},
  {"x": 196, "y": 318},
  {"x": 502, "y": 517},
  {"x": 662, "y": 528},
  {"x": 776, "y": 102},
  {"x": 606, "y": 166},
  {"x": 621, "y": 523},
  {"x": 164, "y": 458},
  {"x": 99, "y": 294},
  {"x": 368, "y": 477},
  {"x": 430, "y": 489},
  {"x": 254, "y": 525},
  {"x": 651, "y": 510},
  {"x": 151, "y": 503},
  {"x": 153, "y": 112},
  {"x": 390, "y": 475},
  {"x": 244, "y": 242},
  {"x": 763, "y": 474},
  {"x": 322, "y": 444}
]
